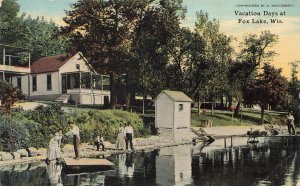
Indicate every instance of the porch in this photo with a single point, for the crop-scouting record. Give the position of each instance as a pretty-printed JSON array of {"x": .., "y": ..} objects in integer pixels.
[
  {"x": 14, "y": 61},
  {"x": 86, "y": 88}
]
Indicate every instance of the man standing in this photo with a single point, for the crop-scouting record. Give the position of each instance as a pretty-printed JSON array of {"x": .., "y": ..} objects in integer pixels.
[
  {"x": 128, "y": 132},
  {"x": 291, "y": 125},
  {"x": 76, "y": 138}
]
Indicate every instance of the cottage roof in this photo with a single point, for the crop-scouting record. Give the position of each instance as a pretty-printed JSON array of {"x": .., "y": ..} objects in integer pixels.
[
  {"x": 176, "y": 96},
  {"x": 49, "y": 64}
]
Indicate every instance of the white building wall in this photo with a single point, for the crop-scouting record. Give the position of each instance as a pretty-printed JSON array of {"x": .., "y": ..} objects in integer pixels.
[
  {"x": 182, "y": 118},
  {"x": 41, "y": 82},
  {"x": 70, "y": 66},
  {"x": 164, "y": 112},
  {"x": 88, "y": 97},
  {"x": 24, "y": 83}
]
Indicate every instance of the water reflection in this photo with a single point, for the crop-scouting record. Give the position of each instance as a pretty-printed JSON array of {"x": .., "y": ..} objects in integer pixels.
[
  {"x": 270, "y": 161},
  {"x": 247, "y": 164},
  {"x": 173, "y": 166},
  {"x": 54, "y": 173},
  {"x": 126, "y": 165}
]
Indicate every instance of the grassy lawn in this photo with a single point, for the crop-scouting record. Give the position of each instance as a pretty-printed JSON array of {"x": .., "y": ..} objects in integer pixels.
[
  {"x": 219, "y": 118},
  {"x": 224, "y": 118}
]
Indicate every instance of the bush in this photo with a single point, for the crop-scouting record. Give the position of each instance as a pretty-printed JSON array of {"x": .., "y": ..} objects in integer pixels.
[
  {"x": 35, "y": 127},
  {"x": 107, "y": 123},
  {"x": 13, "y": 135},
  {"x": 43, "y": 122},
  {"x": 9, "y": 95},
  {"x": 277, "y": 120}
]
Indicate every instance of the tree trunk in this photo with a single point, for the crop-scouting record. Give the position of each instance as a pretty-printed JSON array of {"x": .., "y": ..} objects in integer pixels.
[
  {"x": 237, "y": 109},
  {"x": 222, "y": 103},
  {"x": 199, "y": 107},
  {"x": 229, "y": 101},
  {"x": 112, "y": 91},
  {"x": 127, "y": 92},
  {"x": 262, "y": 114}
]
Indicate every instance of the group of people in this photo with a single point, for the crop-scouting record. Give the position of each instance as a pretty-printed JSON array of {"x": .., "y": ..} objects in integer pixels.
[
  {"x": 125, "y": 136},
  {"x": 124, "y": 139},
  {"x": 53, "y": 150}
]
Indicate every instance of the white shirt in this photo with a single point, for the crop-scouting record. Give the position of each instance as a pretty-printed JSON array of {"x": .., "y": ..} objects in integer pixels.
[
  {"x": 74, "y": 131},
  {"x": 100, "y": 139},
  {"x": 291, "y": 118},
  {"x": 129, "y": 129}
]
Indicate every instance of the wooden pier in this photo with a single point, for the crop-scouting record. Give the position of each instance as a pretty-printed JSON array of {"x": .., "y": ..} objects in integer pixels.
[{"x": 86, "y": 165}]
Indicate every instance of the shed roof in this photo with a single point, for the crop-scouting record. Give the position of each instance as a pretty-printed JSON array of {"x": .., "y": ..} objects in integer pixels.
[
  {"x": 176, "y": 96},
  {"x": 50, "y": 64}
]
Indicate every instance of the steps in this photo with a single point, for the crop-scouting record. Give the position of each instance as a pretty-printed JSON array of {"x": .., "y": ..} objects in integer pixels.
[{"x": 64, "y": 98}]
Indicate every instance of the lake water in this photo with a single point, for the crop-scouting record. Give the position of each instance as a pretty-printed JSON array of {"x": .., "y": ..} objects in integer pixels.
[{"x": 271, "y": 161}]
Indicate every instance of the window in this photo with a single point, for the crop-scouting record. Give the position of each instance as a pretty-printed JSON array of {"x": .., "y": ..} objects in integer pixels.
[
  {"x": 19, "y": 83},
  {"x": 180, "y": 108},
  {"x": 49, "y": 82},
  {"x": 34, "y": 87}
]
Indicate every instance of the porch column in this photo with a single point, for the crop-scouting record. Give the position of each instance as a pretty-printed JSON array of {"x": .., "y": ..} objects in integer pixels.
[
  {"x": 101, "y": 82},
  {"x": 3, "y": 63},
  {"x": 80, "y": 81},
  {"x": 28, "y": 80}
]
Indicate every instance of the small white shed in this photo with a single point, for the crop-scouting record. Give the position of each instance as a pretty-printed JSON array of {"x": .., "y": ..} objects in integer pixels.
[{"x": 173, "y": 113}]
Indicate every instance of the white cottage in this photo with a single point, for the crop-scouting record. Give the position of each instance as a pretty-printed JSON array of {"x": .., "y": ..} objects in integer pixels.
[
  {"x": 64, "y": 78},
  {"x": 173, "y": 114}
]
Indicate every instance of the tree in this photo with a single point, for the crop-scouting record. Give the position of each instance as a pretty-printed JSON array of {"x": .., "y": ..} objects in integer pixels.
[
  {"x": 40, "y": 36},
  {"x": 103, "y": 32},
  {"x": 294, "y": 90},
  {"x": 153, "y": 36},
  {"x": 8, "y": 15},
  {"x": 255, "y": 51},
  {"x": 23, "y": 31},
  {"x": 212, "y": 60},
  {"x": 9, "y": 95},
  {"x": 270, "y": 88}
]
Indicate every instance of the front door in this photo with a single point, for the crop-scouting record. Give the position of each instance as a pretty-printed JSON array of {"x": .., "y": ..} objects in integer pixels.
[{"x": 63, "y": 83}]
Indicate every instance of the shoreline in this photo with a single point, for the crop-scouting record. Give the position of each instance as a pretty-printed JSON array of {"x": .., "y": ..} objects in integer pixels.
[
  {"x": 90, "y": 152},
  {"x": 141, "y": 144}
]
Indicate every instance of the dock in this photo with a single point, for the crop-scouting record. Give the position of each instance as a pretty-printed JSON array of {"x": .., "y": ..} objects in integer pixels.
[{"x": 86, "y": 165}]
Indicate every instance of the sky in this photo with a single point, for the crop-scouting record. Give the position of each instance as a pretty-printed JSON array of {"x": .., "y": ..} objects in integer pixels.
[{"x": 228, "y": 12}]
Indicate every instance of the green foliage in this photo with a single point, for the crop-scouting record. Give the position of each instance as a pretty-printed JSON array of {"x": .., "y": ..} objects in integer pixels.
[
  {"x": 270, "y": 88},
  {"x": 8, "y": 14},
  {"x": 294, "y": 91},
  {"x": 9, "y": 95},
  {"x": 277, "y": 120},
  {"x": 13, "y": 134},
  {"x": 107, "y": 123},
  {"x": 224, "y": 118},
  {"x": 36, "y": 34},
  {"x": 35, "y": 127},
  {"x": 40, "y": 36},
  {"x": 45, "y": 121}
]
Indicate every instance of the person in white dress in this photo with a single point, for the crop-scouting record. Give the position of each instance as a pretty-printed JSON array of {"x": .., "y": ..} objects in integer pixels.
[
  {"x": 54, "y": 174},
  {"x": 53, "y": 151},
  {"x": 120, "y": 143}
]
